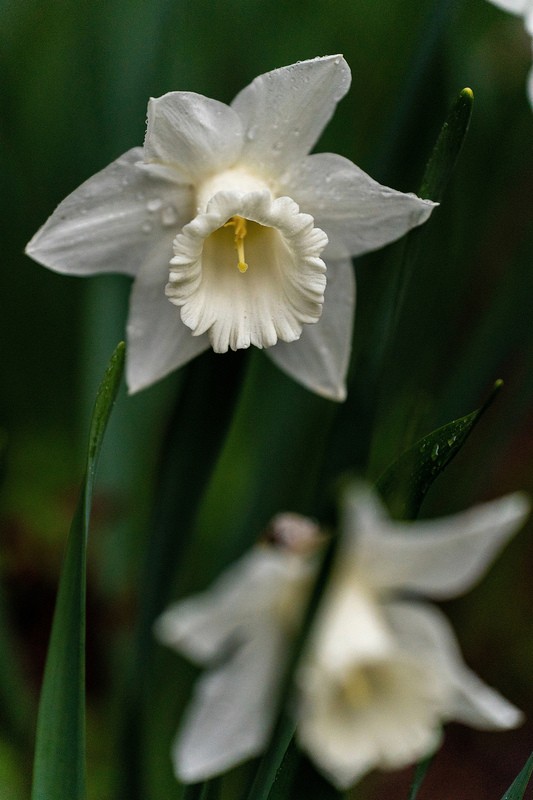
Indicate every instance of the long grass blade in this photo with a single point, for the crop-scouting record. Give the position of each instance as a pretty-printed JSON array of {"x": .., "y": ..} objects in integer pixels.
[{"x": 59, "y": 766}]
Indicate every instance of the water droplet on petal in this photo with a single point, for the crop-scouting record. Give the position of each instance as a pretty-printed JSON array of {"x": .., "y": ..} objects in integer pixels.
[
  {"x": 154, "y": 205},
  {"x": 169, "y": 216}
]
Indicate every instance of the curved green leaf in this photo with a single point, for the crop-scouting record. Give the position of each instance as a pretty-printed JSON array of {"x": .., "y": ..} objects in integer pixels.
[
  {"x": 517, "y": 789},
  {"x": 59, "y": 766},
  {"x": 405, "y": 483}
]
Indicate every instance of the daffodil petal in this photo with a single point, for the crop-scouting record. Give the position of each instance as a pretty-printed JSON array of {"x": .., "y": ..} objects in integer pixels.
[
  {"x": 112, "y": 221},
  {"x": 355, "y": 211},
  {"x": 198, "y": 136},
  {"x": 285, "y": 111},
  {"x": 201, "y": 627},
  {"x": 439, "y": 558},
  {"x": 424, "y": 631},
  {"x": 319, "y": 359},
  {"x": 158, "y": 341},
  {"x": 241, "y": 627},
  {"x": 230, "y": 716},
  {"x": 513, "y": 6}
]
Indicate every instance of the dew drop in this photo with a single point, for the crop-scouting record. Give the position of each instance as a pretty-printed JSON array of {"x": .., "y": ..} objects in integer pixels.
[
  {"x": 251, "y": 132},
  {"x": 435, "y": 452},
  {"x": 169, "y": 216},
  {"x": 154, "y": 205}
]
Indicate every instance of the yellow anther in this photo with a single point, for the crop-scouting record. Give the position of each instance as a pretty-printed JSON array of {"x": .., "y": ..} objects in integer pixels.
[{"x": 239, "y": 223}]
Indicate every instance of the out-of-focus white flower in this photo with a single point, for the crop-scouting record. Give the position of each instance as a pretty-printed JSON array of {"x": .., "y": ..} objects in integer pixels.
[
  {"x": 227, "y": 224},
  {"x": 382, "y": 669},
  {"x": 241, "y": 629},
  {"x": 525, "y": 9}
]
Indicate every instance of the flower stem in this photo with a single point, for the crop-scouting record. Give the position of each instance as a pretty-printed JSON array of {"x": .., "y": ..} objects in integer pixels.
[{"x": 195, "y": 437}]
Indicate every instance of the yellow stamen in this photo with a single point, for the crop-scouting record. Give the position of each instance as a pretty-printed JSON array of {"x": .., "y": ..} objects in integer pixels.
[{"x": 239, "y": 223}]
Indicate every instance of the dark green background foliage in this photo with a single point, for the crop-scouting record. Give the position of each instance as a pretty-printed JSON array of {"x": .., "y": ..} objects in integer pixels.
[{"x": 75, "y": 78}]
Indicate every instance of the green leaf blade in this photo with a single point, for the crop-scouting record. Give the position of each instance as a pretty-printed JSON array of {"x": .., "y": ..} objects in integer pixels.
[
  {"x": 447, "y": 147},
  {"x": 421, "y": 771},
  {"x": 59, "y": 764},
  {"x": 517, "y": 789},
  {"x": 405, "y": 483}
]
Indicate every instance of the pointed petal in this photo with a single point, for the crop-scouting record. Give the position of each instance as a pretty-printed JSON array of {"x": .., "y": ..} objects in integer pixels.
[
  {"x": 426, "y": 634},
  {"x": 319, "y": 359},
  {"x": 196, "y": 135},
  {"x": 230, "y": 716},
  {"x": 354, "y": 210},
  {"x": 284, "y": 111},
  {"x": 514, "y": 6},
  {"x": 112, "y": 221},
  {"x": 439, "y": 558},
  {"x": 205, "y": 625},
  {"x": 158, "y": 341}
]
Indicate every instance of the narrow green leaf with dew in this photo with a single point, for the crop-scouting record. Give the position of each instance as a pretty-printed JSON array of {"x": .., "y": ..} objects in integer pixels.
[
  {"x": 59, "y": 766},
  {"x": 447, "y": 147},
  {"x": 405, "y": 483}
]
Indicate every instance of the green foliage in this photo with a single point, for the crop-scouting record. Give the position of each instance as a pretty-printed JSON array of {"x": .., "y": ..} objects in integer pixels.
[
  {"x": 196, "y": 434},
  {"x": 406, "y": 482},
  {"x": 517, "y": 789},
  {"x": 447, "y": 147},
  {"x": 421, "y": 771},
  {"x": 59, "y": 767}
]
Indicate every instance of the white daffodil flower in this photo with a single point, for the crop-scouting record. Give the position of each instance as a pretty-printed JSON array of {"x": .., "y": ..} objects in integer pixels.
[
  {"x": 525, "y": 9},
  {"x": 234, "y": 235},
  {"x": 382, "y": 669}
]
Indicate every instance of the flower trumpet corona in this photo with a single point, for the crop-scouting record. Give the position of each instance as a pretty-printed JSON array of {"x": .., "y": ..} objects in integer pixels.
[
  {"x": 381, "y": 671},
  {"x": 233, "y": 233}
]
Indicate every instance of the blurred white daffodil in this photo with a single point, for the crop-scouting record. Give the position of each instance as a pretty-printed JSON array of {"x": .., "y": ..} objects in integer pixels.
[
  {"x": 525, "y": 9},
  {"x": 381, "y": 671},
  {"x": 227, "y": 225}
]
